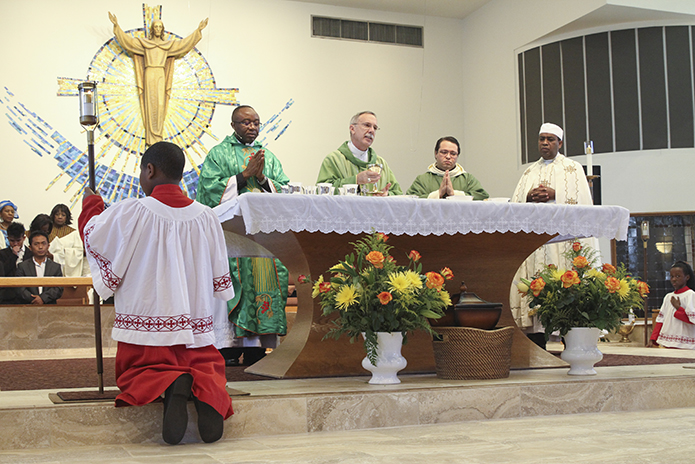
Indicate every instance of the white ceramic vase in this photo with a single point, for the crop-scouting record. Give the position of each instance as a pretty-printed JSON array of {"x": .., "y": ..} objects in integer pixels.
[
  {"x": 581, "y": 350},
  {"x": 389, "y": 360}
]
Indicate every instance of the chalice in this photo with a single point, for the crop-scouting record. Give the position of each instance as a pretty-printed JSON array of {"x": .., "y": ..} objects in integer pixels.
[
  {"x": 625, "y": 331},
  {"x": 377, "y": 169}
]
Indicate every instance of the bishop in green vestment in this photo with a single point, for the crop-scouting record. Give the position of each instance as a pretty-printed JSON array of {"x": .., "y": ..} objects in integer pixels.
[
  {"x": 238, "y": 165},
  {"x": 350, "y": 162},
  {"x": 445, "y": 177}
]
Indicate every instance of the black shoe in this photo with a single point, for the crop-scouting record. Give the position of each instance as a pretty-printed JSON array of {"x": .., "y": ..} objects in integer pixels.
[
  {"x": 232, "y": 362},
  {"x": 210, "y": 422},
  {"x": 175, "y": 409}
]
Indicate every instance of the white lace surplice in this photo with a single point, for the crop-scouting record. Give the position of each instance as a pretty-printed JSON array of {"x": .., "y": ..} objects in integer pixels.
[{"x": 164, "y": 265}]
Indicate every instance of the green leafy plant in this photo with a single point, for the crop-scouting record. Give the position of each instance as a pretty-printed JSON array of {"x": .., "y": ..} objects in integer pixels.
[
  {"x": 583, "y": 296},
  {"x": 371, "y": 293}
]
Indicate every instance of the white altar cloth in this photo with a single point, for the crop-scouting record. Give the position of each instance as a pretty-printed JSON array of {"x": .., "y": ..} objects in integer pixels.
[{"x": 267, "y": 213}]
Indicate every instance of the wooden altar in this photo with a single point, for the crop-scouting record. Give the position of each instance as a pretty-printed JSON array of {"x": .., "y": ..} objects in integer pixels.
[{"x": 482, "y": 242}]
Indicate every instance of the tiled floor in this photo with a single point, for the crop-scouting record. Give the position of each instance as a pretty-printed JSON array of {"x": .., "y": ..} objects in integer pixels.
[
  {"x": 657, "y": 436},
  {"x": 666, "y": 436}
]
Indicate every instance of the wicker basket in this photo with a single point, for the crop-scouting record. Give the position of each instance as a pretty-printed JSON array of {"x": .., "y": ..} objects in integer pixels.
[{"x": 466, "y": 353}]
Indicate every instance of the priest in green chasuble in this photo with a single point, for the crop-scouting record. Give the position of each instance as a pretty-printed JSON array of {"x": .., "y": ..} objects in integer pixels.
[
  {"x": 445, "y": 177},
  {"x": 355, "y": 162},
  {"x": 238, "y": 165}
]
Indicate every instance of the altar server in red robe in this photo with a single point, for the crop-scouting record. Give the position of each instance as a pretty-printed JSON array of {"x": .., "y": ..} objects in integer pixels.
[
  {"x": 675, "y": 325},
  {"x": 163, "y": 259}
]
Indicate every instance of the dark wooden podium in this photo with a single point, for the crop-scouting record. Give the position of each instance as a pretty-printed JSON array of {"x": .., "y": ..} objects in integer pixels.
[{"x": 486, "y": 261}]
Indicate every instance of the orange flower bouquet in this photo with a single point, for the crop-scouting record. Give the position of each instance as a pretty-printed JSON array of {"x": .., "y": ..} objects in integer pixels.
[
  {"x": 371, "y": 293},
  {"x": 583, "y": 296}
]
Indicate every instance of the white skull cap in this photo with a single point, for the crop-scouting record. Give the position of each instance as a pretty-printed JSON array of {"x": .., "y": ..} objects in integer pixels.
[{"x": 551, "y": 128}]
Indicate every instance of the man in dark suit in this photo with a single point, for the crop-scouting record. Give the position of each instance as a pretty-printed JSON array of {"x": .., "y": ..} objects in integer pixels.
[
  {"x": 10, "y": 257},
  {"x": 39, "y": 266}
]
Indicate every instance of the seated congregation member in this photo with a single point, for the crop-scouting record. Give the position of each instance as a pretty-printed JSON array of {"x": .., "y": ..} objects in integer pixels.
[
  {"x": 61, "y": 217},
  {"x": 163, "y": 257},
  {"x": 445, "y": 177},
  {"x": 8, "y": 213},
  {"x": 40, "y": 265},
  {"x": 349, "y": 164},
  {"x": 10, "y": 257},
  {"x": 42, "y": 222},
  {"x": 254, "y": 319},
  {"x": 66, "y": 244}
]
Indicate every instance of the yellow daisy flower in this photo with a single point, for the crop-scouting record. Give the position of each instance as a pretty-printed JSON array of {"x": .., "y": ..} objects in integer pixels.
[
  {"x": 399, "y": 282},
  {"x": 414, "y": 279},
  {"x": 337, "y": 268},
  {"x": 346, "y": 296},
  {"x": 556, "y": 274},
  {"x": 444, "y": 295},
  {"x": 596, "y": 274},
  {"x": 624, "y": 289},
  {"x": 315, "y": 289}
]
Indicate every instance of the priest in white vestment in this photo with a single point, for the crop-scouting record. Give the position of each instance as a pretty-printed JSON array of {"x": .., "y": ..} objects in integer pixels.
[{"x": 554, "y": 178}]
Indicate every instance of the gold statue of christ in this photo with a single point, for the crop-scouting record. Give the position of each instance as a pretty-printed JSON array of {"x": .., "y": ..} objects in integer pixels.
[{"x": 154, "y": 70}]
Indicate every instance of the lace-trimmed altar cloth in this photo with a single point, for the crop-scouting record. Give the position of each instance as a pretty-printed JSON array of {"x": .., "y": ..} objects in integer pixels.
[{"x": 397, "y": 215}]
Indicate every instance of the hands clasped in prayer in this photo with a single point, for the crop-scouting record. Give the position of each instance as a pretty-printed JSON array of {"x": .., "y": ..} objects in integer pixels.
[
  {"x": 541, "y": 194},
  {"x": 447, "y": 188},
  {"x": 255, "y": 166}
]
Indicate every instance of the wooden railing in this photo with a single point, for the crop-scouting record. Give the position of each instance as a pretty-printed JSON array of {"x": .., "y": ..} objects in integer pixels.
[
  {"x": 45, "y": 281},
  {"x": 67, "y": 282}
]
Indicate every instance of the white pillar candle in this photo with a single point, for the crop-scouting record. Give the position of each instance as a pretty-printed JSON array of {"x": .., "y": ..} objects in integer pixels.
[{"x": 589, "y": 151}]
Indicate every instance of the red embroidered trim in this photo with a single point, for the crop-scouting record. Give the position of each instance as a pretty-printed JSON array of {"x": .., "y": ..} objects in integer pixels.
[
  {"x": 163, "y": 323},
  {"x": 110, "y": 279},
  {"x": 223, "y": 283},
  {"x": 678, "y": 338}
]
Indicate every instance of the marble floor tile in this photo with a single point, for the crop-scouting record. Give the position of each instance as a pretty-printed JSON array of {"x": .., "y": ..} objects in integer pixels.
[{"x": 614, "y": 437}]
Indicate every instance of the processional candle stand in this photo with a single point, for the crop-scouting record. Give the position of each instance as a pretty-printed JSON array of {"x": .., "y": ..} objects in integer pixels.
[
  {"x": 89, "y": 119},
  {"x": 644, "y": 227}
]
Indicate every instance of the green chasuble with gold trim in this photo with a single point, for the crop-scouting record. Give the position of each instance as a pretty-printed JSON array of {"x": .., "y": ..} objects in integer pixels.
[{"x": 260, "y": 284}]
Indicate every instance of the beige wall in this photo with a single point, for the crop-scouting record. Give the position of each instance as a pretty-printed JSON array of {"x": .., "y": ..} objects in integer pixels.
[
  {"x": 636, "y": 180},
  {"x": 462, "y": 83}
]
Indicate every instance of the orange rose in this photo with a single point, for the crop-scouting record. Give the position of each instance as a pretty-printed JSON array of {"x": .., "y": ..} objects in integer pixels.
[
  {"x": 580, "y": 262},
  {"x": 414, "y": 255},
  {"x": 569, "y": 278},
  {"x": 324, "y": 287},
  {"x": 382, "y": 237},
  {"x": 446, "y": 273},
  {"x": 609, "y": 269},
  {"x": 643, "y": 289},
  {"x": 537, "y": 286},
  {"x": 612, "y": 284},
  {"x": 576, "y": 246},
  {"x": 376, "y": 258},
  {"x": 384, "y": 297},
  {"x": 434, "y": 280}
]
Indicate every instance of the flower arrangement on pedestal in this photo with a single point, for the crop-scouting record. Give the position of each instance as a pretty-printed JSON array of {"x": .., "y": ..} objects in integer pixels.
[
  {"x": 371, "y": 293},
  {"x": 583, "y": 296}
]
